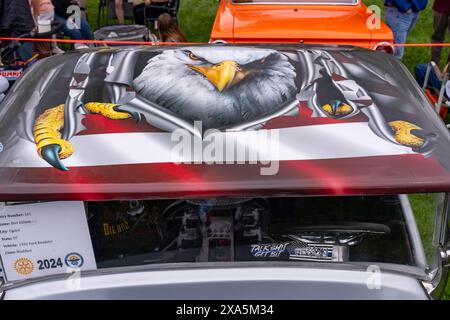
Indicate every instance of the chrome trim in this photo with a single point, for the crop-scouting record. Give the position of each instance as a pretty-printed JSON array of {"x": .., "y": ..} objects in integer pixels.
[
  {"x": 445, "y": 235},
  {"x": 439, "y": 277},
  {"x": 218, "y": 42},
  {"x": 410, "y": 271},
  {"x": 435, "y": 287},
  {"x": 384, "y": 44},
  {"x": 445, "y": 256},
  {"x": 440, "y": 237},
  {"x": 403, "y": 286},
  {"x": 414, "y": 235}
]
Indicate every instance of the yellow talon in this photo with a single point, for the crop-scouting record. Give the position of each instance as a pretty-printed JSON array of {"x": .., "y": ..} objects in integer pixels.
[
  {"x": 46, "y": 131},
  {"x": 341, "y": 110},
  {"x": 403, "y": 135},
  {"x": 106, "y": 110}
]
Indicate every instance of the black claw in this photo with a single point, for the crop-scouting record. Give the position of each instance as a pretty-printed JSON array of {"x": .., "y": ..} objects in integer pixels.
[
  {"x": 50, "y": 154},
  {"x": 429, "y": 142},
  {"x": 136, "y": 115},
  {"x": 422, "y": 134}
]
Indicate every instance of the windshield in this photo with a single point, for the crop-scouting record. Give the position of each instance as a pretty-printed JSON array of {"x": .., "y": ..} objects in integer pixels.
[
  {"x": 368, "y": 230},
  {"x": 326, "y": 229}
]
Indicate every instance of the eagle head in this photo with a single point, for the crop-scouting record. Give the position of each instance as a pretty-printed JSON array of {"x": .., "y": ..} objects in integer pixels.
[{"x": 219, "y": 86}]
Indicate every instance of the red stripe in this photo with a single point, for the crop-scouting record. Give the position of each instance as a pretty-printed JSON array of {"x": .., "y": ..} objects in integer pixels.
[
  {"x": 368, "y": 175},
  {"x": 305, "y": 119},
  {"x": 97, "y": 124}
]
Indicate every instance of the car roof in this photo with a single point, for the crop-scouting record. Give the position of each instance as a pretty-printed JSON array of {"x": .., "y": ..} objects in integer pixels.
[{"x": 312, "y": 120}]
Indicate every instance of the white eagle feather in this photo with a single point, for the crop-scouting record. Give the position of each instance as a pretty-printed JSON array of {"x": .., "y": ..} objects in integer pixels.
[{"x": 169, "y": 81}]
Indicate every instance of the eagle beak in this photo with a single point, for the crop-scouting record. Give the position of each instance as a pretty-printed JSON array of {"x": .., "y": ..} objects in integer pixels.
[{"x": 222, "y": 75}]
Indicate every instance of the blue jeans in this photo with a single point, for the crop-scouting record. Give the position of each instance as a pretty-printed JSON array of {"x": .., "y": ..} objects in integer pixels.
[
  {"x": 433, "y": 81},
  {"x": 83, "y": 33},
  {"x": 401, "y": 24}
]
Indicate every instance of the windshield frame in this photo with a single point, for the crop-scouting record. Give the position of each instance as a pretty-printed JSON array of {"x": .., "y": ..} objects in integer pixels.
[{"x": 357, "y": 266}]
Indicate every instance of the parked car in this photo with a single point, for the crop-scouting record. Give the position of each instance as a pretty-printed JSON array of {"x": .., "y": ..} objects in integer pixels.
[
  {"x": 205, "y": 172},
  {"x": 301, "y": 21}
]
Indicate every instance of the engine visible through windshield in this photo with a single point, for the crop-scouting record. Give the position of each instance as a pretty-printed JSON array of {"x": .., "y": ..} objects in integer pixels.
[{"x": 322, "y": 229}]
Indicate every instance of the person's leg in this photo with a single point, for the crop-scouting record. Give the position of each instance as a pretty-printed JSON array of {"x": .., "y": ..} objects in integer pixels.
[
  {"x": 25, "y": 51},
  {"x": 83, "y": 12},
  {"x": 69, "y": 29},
  {"x": 85, "y": 29},
  {"x": 50, "y": 15},
  {"x": 139, "y": 14},
  {"x": 406, "y": 22},
  {"x": 391, "y": 15},
  {"x": 415, "y": 18},
  {"x": 448, "y": 27},
  {"x": 154, "y": 13},
  {"x": 440, "y": 22},
  {"x": 420, "y": 72},
  {"x": 118, "y": 6}
]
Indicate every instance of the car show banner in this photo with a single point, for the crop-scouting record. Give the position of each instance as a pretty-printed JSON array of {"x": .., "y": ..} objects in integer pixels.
[{"x": 42, "y": 239}]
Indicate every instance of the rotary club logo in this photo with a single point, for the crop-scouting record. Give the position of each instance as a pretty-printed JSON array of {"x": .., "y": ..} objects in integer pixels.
[{"x": 24, "y": 266}]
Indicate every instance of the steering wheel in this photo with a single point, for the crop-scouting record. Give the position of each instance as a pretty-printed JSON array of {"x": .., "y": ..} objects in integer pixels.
[{"x": 348, "y": 234}]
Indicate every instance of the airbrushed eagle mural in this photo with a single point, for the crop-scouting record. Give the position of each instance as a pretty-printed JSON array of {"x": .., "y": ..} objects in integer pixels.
[
  {"x": 217, "y": 87},
  {"x": 226, "y": 88},
  {"x": 222, "y": 86}
]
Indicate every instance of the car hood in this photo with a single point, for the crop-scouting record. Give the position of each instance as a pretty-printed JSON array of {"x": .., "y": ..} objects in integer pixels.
[{"x": 326, "y": 120}]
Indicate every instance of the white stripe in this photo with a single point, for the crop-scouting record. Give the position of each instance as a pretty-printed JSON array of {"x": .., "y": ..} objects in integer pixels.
[{"x": 328, "y": 141}]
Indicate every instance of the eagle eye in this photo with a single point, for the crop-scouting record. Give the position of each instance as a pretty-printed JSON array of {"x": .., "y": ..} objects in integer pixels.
[{"x": 193, "y": 56}]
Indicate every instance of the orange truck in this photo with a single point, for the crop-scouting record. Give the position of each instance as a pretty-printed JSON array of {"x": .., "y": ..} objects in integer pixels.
[{"x": 348, "y": 22}]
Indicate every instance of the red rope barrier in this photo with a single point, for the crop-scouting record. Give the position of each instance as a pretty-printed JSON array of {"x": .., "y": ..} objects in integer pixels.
[
  {"x": 92, "y": 41},
  {"x": 181, "y": 43}
]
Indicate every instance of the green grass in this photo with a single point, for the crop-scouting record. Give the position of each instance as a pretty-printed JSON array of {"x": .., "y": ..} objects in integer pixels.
[
  {"x": 424, "y": 206},
  {"x": 420, "y": 34},
  {"x": 196, "y": 20}
]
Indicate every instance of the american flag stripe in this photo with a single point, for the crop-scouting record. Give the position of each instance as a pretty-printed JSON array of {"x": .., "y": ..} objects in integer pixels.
[
  {"x": 327, "y": 141},
  {"x": 121, "y": 159}
]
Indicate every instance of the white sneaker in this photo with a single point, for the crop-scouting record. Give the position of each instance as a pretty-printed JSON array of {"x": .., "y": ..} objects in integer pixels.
[
  {"x": 57, "y": 50},
  {"x": 80, "y": 46}
]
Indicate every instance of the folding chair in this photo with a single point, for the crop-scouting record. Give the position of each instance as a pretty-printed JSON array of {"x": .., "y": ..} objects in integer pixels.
[
  {"x": 101, "y": 11},
  {"x": 437, "y": 98},
  {"x": 107, "y": 10}
]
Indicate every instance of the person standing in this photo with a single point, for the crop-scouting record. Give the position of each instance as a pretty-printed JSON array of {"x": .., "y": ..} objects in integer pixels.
[
  {"x": 44, "y": 10},
  {"x": 441, "y": 23},
  {"x": 16, "y": 18},
  {"x": 74, "y": 31},
  {"x": 401, "y": 16},
  {"x": 140, "y": 11}
]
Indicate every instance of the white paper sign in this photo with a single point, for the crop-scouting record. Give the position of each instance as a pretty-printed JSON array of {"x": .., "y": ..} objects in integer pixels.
[{"x": 44, "y": 238}]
